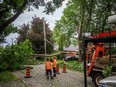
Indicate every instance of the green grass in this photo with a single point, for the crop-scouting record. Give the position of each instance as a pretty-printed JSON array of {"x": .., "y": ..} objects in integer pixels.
[
  {"x": 32, "y": 61},
  {"x": 7, "y": 76},
  {"x": 72, "y": 65}
]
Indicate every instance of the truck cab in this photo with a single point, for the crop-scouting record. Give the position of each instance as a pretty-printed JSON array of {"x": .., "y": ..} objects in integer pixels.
[{"x": 94, "y": 68}]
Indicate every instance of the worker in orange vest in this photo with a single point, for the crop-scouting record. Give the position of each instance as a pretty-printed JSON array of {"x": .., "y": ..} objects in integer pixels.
[
  {"x": 48, "y": 68},
  {"x": 54, "y": 66},
  {"x": 51, "y": 60}
]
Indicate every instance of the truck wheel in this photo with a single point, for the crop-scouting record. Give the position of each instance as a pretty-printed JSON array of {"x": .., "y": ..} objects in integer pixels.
[{"x": 97, "y": 78}]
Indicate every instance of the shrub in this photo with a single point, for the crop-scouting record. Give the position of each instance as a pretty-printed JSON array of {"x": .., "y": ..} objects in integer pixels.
[
  {"x": 15, "y": 55},
  {"x": 61, "y": 56},
  {"x": 113, "y": 51},
  {"x": 107, "y": 71},
  {"x": 7, "y": 76},
  {"x": 73, "y": 65}
]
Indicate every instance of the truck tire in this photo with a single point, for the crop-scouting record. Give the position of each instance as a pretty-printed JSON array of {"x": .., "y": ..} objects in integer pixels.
[{"x": 97, "y": 78}]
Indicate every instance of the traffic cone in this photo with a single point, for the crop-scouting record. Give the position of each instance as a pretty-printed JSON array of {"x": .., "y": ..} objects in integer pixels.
[
  {"x": 28, "y": 73},
  {"x": 57, "y": 69},
  {"x": 64, "y": 68}
]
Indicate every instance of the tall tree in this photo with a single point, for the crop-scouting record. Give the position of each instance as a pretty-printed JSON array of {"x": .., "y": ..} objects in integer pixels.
[
  {"x": 85, "y": 16},
  {"x": 103, "y": 9},
  {"x": 58, "y": 37},
  {"x": 36, "y": 35},
  {"x": 23, "y": 31}
]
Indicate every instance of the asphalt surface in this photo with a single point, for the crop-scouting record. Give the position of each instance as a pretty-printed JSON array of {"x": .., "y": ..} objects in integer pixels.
[{"x": 69, "y": 79}]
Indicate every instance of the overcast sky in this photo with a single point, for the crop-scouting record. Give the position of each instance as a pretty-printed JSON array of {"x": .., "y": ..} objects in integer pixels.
[{"x": 27, "y": 17}]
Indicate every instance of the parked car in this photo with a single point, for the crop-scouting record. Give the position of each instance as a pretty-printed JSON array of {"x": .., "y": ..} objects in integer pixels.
[
  {"x": 68, "y": 58},
  {"x": 108, "y": 82}
]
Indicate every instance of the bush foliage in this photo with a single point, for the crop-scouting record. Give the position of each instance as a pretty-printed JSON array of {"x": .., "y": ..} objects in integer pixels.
[
  {"x": 7, "y": 76},
  {"x": 72, "y": 65},
  {"x": 11, "y": 57},
  {"x": 113, "y": 51}
]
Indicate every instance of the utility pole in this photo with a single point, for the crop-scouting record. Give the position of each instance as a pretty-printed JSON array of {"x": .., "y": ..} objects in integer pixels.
[
  {"x": 44, "y": 37},
  {"x": 12, "y": 40}
]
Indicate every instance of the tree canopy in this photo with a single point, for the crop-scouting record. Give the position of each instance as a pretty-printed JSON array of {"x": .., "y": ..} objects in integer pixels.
[
  {"x": 84, "y": 16},
  {"x": 11, "y": 9}
]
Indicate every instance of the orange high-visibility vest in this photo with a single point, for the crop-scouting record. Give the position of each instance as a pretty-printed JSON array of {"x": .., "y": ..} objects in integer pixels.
[
  {"x": 51, "y": 65},
  {"x": 54, "y": 63},
  {"x": 48, "y": 65}
]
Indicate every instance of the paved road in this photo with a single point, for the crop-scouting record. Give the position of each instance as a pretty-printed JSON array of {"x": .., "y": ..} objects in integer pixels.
[{"x": 69, "y": 79}]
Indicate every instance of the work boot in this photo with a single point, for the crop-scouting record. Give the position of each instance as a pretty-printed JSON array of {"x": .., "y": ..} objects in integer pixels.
[
  {"x": 47, "y": 77},
  {"x": 52, "y": 78},
  {"x": 54, "y": 75}
]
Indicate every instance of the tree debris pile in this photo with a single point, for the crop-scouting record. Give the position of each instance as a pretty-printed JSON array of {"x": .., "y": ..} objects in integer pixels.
[{"x": 102, "y": 62}]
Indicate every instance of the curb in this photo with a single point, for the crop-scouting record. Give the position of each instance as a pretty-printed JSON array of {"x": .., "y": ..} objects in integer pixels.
[{"x": 26, "y": 84}]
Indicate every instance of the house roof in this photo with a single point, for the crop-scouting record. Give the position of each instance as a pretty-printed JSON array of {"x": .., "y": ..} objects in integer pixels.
[{"x": 71, "y": 48}]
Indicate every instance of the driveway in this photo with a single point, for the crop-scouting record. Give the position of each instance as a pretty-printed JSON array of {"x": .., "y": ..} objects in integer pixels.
[{"x": 69, "y": 79}]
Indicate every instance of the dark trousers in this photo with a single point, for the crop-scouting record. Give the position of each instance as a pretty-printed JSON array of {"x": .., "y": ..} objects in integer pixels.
[
  {"x": 49, "y": 73},
  {"x": 54, "y": 72}
]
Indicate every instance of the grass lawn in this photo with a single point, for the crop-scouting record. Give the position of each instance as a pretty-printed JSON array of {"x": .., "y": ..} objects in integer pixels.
[
  {"x": 34, "y": 61},
  {"x": 7, "y": 76},
  {"x": 72, "y": 65}
]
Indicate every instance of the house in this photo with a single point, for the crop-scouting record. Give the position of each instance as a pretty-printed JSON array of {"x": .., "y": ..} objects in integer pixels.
[{"x": 70, "y": 50}]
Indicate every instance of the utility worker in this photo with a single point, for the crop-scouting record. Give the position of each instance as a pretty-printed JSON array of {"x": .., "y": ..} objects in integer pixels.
[
  {"x": 51, "y": 60},
  {"x": 48, "y": 68},
  {"x": 54, "y": 66}
]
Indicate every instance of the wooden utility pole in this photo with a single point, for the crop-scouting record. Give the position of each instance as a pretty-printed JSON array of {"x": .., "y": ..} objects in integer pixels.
[
  {"x": 12, "y": 41},
  {"x": 44, "y": 37}
]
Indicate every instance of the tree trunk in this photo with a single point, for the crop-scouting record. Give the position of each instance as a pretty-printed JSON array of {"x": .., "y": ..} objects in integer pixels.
[{"x": 80, "y": 34}]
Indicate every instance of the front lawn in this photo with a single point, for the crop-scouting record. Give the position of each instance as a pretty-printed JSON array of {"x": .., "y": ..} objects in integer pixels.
[
  {"x": 72, "y": 65},
  {"x": 7, "y": 76}
]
